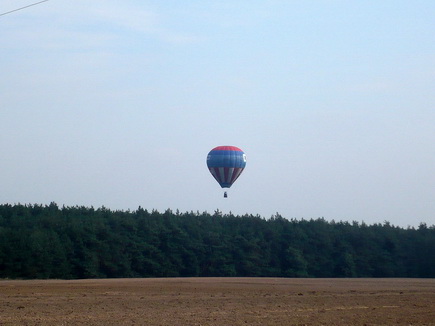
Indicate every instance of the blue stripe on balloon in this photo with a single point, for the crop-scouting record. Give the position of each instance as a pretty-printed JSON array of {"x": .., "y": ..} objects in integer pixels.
[{"x": 230, "y": 159}]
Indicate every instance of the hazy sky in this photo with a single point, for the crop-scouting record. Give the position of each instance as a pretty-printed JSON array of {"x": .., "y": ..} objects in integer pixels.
[{"x": 117, "y": 103}]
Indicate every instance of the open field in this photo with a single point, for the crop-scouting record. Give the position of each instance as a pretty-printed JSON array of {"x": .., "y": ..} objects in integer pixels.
[{"x": 218, "y": 301}]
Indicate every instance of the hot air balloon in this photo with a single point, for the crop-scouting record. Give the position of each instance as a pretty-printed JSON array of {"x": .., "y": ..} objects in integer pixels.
[{"x": 225, "y": 164}]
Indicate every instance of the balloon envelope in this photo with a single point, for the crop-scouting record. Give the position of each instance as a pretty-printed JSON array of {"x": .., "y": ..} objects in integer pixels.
[{"x": 225, "y": 164}]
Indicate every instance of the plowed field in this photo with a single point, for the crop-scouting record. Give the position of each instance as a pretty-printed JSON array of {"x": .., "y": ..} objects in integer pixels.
[{"x": 218, "y": 301}]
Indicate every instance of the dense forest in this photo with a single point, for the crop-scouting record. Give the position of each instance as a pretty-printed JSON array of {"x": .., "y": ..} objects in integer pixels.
[{"x": 48, "y": 241}]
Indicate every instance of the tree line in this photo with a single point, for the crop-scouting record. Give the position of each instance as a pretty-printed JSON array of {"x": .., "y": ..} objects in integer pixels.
[{"x": 48, "y": 241}]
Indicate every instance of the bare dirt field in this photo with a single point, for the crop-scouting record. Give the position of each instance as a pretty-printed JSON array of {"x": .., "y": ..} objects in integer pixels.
[{"x": 218, "y": 301}]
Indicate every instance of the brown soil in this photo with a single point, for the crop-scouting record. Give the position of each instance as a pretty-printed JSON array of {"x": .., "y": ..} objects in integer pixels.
[{"x": 218, "y": 301}]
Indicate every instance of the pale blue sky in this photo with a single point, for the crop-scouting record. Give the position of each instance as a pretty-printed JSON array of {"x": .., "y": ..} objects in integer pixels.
[{"x": 117, "y": 103}]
